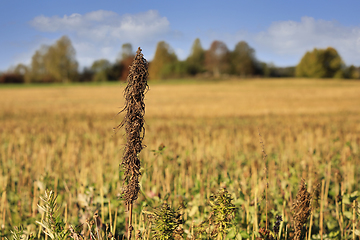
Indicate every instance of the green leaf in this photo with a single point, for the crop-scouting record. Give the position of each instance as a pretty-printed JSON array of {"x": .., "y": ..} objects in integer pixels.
[
  {"x": 231, "y": 234},
  {"x": 244, "y": 234},
  {"x": 354, "y": 194},
  {"x": 348, "y": 214},
  {"x": 334, "y": 234},
  {"x": 331, "y": 224}
]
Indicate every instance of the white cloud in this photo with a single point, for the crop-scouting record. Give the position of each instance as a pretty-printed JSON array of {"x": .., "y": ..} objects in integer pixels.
[
  {"x": 106, "y": 26},
  {"x": 285, "y": 42},
  {"x": 292, "y": 39},
  {"x": 101, "y": 33}
]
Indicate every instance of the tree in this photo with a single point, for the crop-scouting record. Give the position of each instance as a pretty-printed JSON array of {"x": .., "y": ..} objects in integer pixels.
[
  {"x": 24, "y": 71},
  {"x": 55, "y": 63},
  {"x": 217, "y": 58},
  {"x": 100, "y": 69},
  {"x": 60, "y": 60},
  {"x": 11, "y": 77},
  {"x": 243, "y": 60},
  {"x": 164, "y": 55},
  {"x": 126, "y": 59},
  {"x": 196, "y": 60},
  {"x": 38, "y": 71},
  {"x": 19, "y": 71},
  {"x": 86, "y": 75},
  {"x": 100, "y": 65},
  {"x": 352, "y": 72},
  {"x": 321, "y": 63},
  {"x": 126, "y": 51}
]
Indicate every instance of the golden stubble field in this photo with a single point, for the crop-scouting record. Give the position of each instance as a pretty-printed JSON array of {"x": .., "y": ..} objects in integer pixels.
[
  {"x": 61, "y": 138},
  {"x": 215, "y": 99}
]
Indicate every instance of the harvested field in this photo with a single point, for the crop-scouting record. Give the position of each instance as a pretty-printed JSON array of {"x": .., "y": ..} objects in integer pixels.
[{"x": 61, "y": 139}]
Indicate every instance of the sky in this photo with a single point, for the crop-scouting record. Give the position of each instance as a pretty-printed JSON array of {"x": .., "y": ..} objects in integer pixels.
[{"x": 280, "y": 31}]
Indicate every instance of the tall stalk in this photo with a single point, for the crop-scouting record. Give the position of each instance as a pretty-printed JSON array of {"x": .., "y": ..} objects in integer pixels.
[
  {"x": 134, "y": 127},
  {"x": 301, "y": 210}
]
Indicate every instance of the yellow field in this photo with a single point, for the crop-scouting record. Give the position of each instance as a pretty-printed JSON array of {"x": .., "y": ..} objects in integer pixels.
[
  {"x": 215, "y": 99},
  {"x": 61, "y": 138}
]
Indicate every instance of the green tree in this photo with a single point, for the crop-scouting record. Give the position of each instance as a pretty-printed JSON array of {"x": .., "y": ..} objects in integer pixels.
[
  {"x": 100, "y": 69},
  {"x": 100, "y": 65},
  {"x": 38, "y": 71},
  {"x": 321, "y": 63},
  {"x": 164, "y": 55},
  {"x": 177, "y": 69},
  {"x": 217, "y": 58},
  {"x": 55, "y": 63},
  {"x": 243, "y": 60},
  {"x": 60, "y": 61},
  {"x": 86, "y": 75},
  {"x": 196, "y": 60},
  {"x": 352, "y": 72}
]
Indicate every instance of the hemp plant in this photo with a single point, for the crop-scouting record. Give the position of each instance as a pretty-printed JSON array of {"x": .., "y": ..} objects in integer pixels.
[
  {"x": 134, "y": 127},
  {"x": 166, "y": 221},
  {"x": 221, "y": 217}
]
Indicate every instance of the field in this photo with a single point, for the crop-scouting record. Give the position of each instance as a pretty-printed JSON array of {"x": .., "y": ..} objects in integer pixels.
[{"x": 61, "y": 138}]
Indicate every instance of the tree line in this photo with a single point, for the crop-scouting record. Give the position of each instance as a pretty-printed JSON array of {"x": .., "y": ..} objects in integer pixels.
[{"x": 57, "y": 64}]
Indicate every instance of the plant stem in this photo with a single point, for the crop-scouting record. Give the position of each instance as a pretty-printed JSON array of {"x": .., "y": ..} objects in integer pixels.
[
  {"x": 354, "y": 218},
  {"x": 130, "y": 221},
  {"x": 311, "y": 223},
  {"x": 321, "y": 209}
]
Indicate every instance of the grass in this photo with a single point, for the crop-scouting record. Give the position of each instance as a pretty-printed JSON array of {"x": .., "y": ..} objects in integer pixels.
[{"x": 61, "y": 139}]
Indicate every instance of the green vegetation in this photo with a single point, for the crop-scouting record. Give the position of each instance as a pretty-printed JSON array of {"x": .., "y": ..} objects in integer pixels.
[
  {"x": 100, "y": 69},
  {"x": 196, "y": 59},
  {"x": 243, "y": 61},
  {"x": 54, "y": 63},
  {"x": 164, "y": 60},
  {"x": 321, "y": 63},
  {"x": 57, "y": 64},
  {"x": 203, "y": 170}
]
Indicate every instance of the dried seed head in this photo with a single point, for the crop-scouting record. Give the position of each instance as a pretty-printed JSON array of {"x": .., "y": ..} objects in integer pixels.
[
  {"x": 134, "y": 125},
  {"x": 301, "y": 209}
]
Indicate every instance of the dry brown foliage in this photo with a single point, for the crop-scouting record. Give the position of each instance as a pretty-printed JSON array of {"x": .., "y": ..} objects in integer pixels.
[
  {"x": 134, "y": 125},
  {"x": 301, "y": 209}
]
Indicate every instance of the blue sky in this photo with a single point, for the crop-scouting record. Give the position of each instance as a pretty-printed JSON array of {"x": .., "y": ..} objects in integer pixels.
[{"x": 279, "y": 31}]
